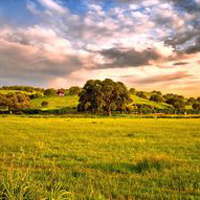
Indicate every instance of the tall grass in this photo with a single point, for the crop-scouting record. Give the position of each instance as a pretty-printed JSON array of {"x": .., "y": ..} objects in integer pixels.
[{"x": 94, "y": 158}]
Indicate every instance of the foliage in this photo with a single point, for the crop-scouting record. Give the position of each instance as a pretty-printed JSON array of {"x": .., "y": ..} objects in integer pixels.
[
  {"x": 35, "y": 95},
  {"x": 156, "y": 97},
  {"x": 196, "y": 106},
  {"x": 14, "y": 101},
  {"x": 50, "y": 92},
  {"x": 23, "y": 88},
  {"x": 45, "y": 103},
  {"x": 141, "y": 95},
  {"x": 156, "y": 92},
  {"x": 191, "y": 101},
  {"x": 106, "y": 95},
  {"x": 75, "y": 90},
  {"x": 132, "y": 90}
]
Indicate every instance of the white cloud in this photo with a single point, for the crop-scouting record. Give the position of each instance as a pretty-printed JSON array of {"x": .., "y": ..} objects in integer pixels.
[{"x": 53, "y": 5}]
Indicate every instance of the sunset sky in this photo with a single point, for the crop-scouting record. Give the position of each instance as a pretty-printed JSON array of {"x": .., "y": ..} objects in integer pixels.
[{"x": 147, "y": 44}]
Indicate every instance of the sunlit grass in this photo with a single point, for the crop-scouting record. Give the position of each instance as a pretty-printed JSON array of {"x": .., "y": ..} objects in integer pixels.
[{"x": 69, "y": 158}]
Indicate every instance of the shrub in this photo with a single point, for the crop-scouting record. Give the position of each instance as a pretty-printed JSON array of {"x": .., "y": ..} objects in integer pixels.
[{"x": 45, "y": 103}]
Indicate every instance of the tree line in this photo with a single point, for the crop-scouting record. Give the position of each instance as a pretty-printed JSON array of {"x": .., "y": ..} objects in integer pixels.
[{"x": 102, "y": 96}]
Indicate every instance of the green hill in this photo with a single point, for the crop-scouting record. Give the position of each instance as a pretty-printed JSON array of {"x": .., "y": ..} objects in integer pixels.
[
  {"x": 55, "y": 102},
  {"x": 139, "y": 100}
]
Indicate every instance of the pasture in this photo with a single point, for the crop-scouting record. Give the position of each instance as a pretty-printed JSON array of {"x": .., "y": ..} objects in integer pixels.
[{"x": 99, "y": 158}]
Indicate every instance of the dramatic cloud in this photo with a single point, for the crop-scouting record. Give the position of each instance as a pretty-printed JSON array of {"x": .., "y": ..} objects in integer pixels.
[
  {"x": 164, "y": 78},
  {"x": 133, "y": 58}
]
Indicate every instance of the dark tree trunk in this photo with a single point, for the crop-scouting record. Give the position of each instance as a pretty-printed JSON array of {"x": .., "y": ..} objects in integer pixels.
[{"x": 109, "y": 112}]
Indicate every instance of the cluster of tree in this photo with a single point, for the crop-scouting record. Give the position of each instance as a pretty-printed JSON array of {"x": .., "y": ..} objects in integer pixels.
[
  {"x": 50, "y": 92},
  {"x": 141, "y": 94},
  {"x": 23, "y": 88},
  {"x": 14, "y": 101},
  {"x": 104, "y": 95},
  {"x": 75, "y": 90},
  {"x": 35, "y": 95}
]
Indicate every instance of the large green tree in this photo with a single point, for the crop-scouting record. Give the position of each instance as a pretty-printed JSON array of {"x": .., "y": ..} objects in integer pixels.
[{"x": 104, "y": 95}]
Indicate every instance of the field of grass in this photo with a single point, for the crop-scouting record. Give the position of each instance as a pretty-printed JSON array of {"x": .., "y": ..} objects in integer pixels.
[{"x": 69, "y": 158}]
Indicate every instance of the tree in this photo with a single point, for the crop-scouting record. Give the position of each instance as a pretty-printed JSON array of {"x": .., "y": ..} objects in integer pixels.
[
  {"x": 141, "y": 95},
  {"x": 104, "y": 95},
  {"x": 198, "y": 99},
  {"x": 132, "y": 90},
  {"x": 157, "y": 92},
  {"x": 196, "y": 106},
  {"x": 191, "y": 101},
  {"x": 179, "y": 104},
  {"x": 14, "y": 101},
  {"x": 50, "y": 92},
  {"x": 35, "y": 95},
  {"x": 156, "y": 98},
  {"x": 3, "y": 102},
  {"x": 75, "y": 90},
  {"x": 45, "y": 103}
]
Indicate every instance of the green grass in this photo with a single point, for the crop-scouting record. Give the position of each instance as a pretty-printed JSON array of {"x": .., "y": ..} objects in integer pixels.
[
  {"x": 55, "y": 102},
  {"x": 121, "y": 158},
  {"x": 139, "y": 100}
]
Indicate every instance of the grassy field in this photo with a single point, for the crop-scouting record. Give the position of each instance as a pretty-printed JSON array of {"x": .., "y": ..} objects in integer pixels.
[{"x": 69, "y": 158}]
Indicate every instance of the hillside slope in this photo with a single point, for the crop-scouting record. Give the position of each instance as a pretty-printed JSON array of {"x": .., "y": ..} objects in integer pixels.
[{"x": 56, "y": 102}]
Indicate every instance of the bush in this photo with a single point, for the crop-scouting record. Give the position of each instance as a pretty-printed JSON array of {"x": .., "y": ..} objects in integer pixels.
[
  {"x": 35, "y": 96},
  {"x": 75, "y": 90},
  {"x": 141, "y": 95},
  {"x": 50, "y": 92},
  {"x": 156, "y": 98},
  {"x": 45, "y": 103}
]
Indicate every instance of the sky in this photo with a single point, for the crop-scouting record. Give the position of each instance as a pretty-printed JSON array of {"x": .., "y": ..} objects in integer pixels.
[{"x": 147, "y": 44}]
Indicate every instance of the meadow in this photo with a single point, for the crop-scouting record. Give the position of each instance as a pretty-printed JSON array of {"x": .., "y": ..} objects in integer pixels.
[{"x": 99, "y": 158}]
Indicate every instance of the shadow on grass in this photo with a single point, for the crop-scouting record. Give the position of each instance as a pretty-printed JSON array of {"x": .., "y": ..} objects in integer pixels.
[{"x": 147, "y": 165}]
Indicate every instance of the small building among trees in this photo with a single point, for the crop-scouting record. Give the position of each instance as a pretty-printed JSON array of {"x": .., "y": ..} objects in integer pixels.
[{"x": 61, "y": 93}]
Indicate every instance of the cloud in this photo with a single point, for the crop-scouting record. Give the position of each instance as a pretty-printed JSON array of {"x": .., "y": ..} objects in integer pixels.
[
  {"x": 52, "y": 5},
  {"x": 125, "y": 58},
  {"x": 164, "y": 78},
  {"x": 155, "y": 40},
  {"x": 180, "y": 63}
]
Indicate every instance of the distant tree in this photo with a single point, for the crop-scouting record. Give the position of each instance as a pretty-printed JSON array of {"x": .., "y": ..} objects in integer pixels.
[
  {"x": 176, "y": 102},
  {"x": 106, "y": 95},
  {"x": 141, "y": 95},
  {"x": 179, "y": 104},
  {"x": 75, "y": 90},
  {"x": 191, "y": 101},
  {"x": 35, "y": 95},
  {"x": 196, "y": 106},
  {"x": 50, "y": 92},
  {"x": 157, "y": 92},
  {"x": 45, "y": 103},
  {"x": 198, "y": 99},
  {"x": 17, "y": 100},
  {"x": 3, "y": 102},
  {"x": 132, "y": 90},
  {"x": 156, "y": 98}
]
